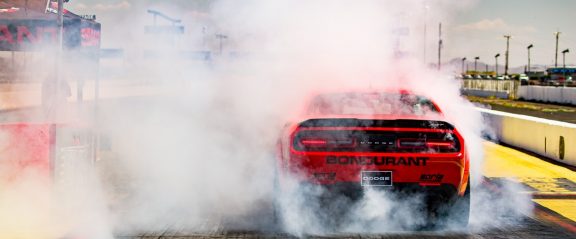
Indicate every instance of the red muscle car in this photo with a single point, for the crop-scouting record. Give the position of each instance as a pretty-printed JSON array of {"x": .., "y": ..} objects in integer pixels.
[{"x": 346, "y": 143}]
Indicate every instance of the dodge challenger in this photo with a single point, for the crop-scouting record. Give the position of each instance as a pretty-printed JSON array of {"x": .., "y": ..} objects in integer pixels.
[{"x": 397, "y": 141}]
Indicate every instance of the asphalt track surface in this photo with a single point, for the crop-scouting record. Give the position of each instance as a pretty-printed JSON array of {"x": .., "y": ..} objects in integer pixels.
[
  {"x": 544, "y": 222},
  {"x": 527, "y": 227},
  {"x": 541, "y": 223}
]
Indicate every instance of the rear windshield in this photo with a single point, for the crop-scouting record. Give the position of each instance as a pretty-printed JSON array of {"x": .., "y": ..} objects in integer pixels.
[{"x": 371, "y": 104}]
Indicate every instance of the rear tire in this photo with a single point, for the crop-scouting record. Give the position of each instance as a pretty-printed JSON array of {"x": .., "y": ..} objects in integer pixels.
[
  {"x": 277, "y": 221},
  {"x": 460, "y": 212},
  {"x": 453, "y": 213}
]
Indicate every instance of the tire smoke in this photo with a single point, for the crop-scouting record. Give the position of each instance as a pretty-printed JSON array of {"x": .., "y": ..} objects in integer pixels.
[{"x": 198, "y": 154}]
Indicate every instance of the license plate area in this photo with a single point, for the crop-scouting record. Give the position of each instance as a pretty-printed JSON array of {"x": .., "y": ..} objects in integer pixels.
[{"x": 376, "y": 178}]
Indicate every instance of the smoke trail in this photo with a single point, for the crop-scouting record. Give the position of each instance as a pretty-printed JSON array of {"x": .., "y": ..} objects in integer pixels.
[{"x": 229, "y": 126}]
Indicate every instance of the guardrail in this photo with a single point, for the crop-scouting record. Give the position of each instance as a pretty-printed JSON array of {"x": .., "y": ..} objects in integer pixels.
[
  {"x": 491, "y": 87},
  {"x": 549, "y": 138}
]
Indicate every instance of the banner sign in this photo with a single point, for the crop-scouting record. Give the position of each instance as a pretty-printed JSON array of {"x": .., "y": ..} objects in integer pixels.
[{"x": 31, "y": 35}]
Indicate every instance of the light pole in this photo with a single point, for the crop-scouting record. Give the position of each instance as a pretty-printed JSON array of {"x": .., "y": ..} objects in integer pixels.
[
  {"x": 496, "y": 60},
  {"x": 439, "y": 45},
  {"x": 507, "y": 54},
  {"x": 55, "y": 107},
  {"x": 463, "y": 60},
  {"x": 475, "y": 63},
  {"x": 556, "y": 56},
  {"x": 60, "y": 23},
  {"x": 425, "y": 28},
  {"x": 204, "y": 29},
  {"x": 529, "y": 46},
  {"x": 564, "y": 58},
  {"x": 564, "y": 63},
  {"x": 221, "y": 38}
]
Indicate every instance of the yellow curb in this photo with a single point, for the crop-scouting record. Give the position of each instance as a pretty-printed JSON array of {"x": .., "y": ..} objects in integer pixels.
[
  {"x": 564, "y": 207},
  {"x": 500, "y": 161}
]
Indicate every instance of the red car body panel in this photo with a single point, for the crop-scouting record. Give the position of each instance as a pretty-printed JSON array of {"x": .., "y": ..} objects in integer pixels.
[
  {"x": 330, "y": 167},
  {"x": 33, "y": 147}
]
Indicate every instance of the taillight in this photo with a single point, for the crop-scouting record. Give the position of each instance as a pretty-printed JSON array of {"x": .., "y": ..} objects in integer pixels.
[
  {"x": 410, "y": 143},
  {"x": 375, "y": 141},
  {"x": 313, "y": 142},
  {"x": 326, "y": 143},
  {"x": 324, "y": 140},
  {"x": 425, "y": 145},
  {"x": 441, "y": 144}
]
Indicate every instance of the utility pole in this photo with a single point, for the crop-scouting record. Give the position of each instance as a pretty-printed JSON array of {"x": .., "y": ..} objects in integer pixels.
[
  {"x": 556, "y": 55},
  {"x": 496, "y": 59},
  {"x": 507, "y": 54},
  {"x": 529, "y": 46},
  {"x": 439, "y": 46}
]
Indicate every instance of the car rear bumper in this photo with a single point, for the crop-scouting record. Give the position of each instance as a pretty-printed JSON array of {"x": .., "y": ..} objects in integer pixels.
[{"x": 424, "y": 171}]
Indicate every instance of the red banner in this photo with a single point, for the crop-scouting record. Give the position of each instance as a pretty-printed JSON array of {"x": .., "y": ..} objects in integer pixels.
[{"x": 25, "y": 148}]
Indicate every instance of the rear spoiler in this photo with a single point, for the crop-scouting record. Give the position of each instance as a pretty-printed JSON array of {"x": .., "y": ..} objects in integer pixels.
[{"x": 397, "y": 123}]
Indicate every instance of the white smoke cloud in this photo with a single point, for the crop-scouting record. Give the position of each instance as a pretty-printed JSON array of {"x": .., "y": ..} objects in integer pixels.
[{"x": 200, "y": 156}]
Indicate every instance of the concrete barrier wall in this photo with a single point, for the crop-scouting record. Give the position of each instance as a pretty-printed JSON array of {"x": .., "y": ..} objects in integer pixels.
[
  {"x": 566, "y": 95},
  {"x": 486, "y": 93},
  {"x": 508, "y": 86},
  {"x": 549, "y": 138}
]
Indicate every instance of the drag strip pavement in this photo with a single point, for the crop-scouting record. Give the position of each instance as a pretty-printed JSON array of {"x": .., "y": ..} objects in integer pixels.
[{"x": 550, "y": 186}]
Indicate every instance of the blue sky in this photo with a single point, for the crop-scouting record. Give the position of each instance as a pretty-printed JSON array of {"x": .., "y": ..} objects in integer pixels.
[{"x": 475, "y": 31}]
